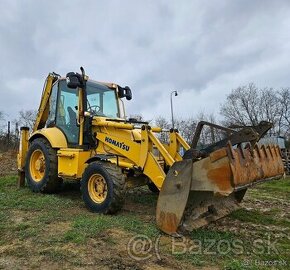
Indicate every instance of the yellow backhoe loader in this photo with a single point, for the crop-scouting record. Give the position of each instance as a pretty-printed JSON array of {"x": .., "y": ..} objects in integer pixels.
[{"x": 81, "y": 133}]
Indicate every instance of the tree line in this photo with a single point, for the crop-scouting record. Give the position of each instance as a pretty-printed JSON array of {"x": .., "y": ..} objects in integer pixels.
[
  {"x": 248, "y": 105},
  {"x": 10, "y": 129},
  {"x": 245, "y": 106}
]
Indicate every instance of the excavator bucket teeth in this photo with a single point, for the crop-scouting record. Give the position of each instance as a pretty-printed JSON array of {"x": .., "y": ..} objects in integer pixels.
[{"x": 196, "y": 193}]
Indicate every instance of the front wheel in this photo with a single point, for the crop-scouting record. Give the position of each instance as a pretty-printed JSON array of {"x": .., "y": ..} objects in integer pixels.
[{"x": 103, "y": 187}]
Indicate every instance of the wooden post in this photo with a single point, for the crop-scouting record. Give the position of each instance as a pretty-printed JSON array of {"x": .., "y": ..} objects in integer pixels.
[
  {"x": 8, "y": 135},
  {"x": 21, "y": 179}
]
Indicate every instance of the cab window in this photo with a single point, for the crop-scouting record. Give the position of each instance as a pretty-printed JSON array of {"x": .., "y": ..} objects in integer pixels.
[
  {"x": 102, "y": 100},
  {"x": 52, "y": 106},
  {"x": 66, "y": 117}
]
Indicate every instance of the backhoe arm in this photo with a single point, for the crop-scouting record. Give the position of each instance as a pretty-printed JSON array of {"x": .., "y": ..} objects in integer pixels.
[{"x": 43, "y": 110}]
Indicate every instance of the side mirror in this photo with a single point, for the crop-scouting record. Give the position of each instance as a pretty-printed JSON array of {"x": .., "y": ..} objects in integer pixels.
[
  {"x": 125, "y": 92},
  {"x": 74, "y": 80},
  {"x": 128, "y": 93}
]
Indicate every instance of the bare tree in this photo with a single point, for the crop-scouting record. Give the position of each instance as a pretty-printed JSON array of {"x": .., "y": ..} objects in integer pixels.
[
  {"x": 186, "y": 128},
  {"x": 208, "y": 135},
  {"x": 1, "y": 122},
  {"x": 162, "y": 122},
  {"x": 137, "y": 117},
  {"x": 270, "y": 108},
  {"x": 248, "y": 105},
  {"x": 26, "y": 118},
  {"x": 245, "y": 108},
  {"x": 242, "y": 106},
  {"x": 284, "y": 109}
]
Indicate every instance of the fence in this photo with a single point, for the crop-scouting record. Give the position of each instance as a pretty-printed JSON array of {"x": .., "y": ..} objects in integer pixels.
[{"x": 9, "y": 140}]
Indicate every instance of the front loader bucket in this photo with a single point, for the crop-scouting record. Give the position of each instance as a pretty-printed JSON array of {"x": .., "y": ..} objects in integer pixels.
[{"x": 196, "y": 193}]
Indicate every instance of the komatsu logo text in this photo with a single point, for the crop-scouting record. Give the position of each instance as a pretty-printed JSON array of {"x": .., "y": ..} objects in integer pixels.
[{"x": 121, "y": 145}]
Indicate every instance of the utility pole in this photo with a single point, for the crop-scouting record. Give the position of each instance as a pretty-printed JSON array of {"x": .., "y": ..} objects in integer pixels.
[{"x": 171, "y": 103}]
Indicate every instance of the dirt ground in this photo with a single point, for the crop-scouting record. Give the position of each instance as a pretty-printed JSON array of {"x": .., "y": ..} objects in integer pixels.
[
  {"x": 8, "y": 165},
  {"x": 57, "y": 231}
]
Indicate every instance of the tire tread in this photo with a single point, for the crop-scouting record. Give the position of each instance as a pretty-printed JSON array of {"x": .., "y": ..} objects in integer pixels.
[{"x": 53, "y": 183}]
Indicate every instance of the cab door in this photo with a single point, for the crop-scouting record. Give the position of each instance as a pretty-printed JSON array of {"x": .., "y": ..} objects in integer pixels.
[{"x": 66, "y": 112}]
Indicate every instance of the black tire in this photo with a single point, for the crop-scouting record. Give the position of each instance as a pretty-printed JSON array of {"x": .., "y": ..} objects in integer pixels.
[
  {"x": 50, "y": 182},
  {"x": 153, "y": 188},
  {"x": 115, "y": 189}
]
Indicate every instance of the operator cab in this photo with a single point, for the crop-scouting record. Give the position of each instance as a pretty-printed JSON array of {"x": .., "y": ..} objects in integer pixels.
[{"x": 65, "y": 102}]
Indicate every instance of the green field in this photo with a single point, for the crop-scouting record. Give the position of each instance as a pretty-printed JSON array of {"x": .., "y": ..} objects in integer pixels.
[{"x": 57, "y": 231}]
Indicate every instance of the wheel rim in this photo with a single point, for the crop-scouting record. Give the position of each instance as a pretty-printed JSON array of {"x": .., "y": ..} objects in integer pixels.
[
  {"x": 37, "y": 165},
  {"x": 98, "y": 188}
]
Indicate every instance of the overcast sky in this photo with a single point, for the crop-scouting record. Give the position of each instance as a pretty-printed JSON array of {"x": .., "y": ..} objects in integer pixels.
[{"x": 202, "y": 49}]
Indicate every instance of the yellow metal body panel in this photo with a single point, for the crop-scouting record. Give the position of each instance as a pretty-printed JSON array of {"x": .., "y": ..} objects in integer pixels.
[
  {"x": 23, "y": 149},
  {"x": 116, "y": 142},
  {"x": 72, "y": 162},
  {"x": 135, "y": 147},
  {"x": 54, "y": 135},
  {"x": 176, "y": 141},
  {"x": 154, "y": 171}
]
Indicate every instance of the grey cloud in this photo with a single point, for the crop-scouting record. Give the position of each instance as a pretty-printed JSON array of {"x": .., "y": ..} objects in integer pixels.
[{"x": 203, "y": 48}]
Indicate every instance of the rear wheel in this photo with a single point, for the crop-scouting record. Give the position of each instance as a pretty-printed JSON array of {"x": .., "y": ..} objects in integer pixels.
[
  {"x": 41, "y": 167},
  {"x": 103, "y": 187}
]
